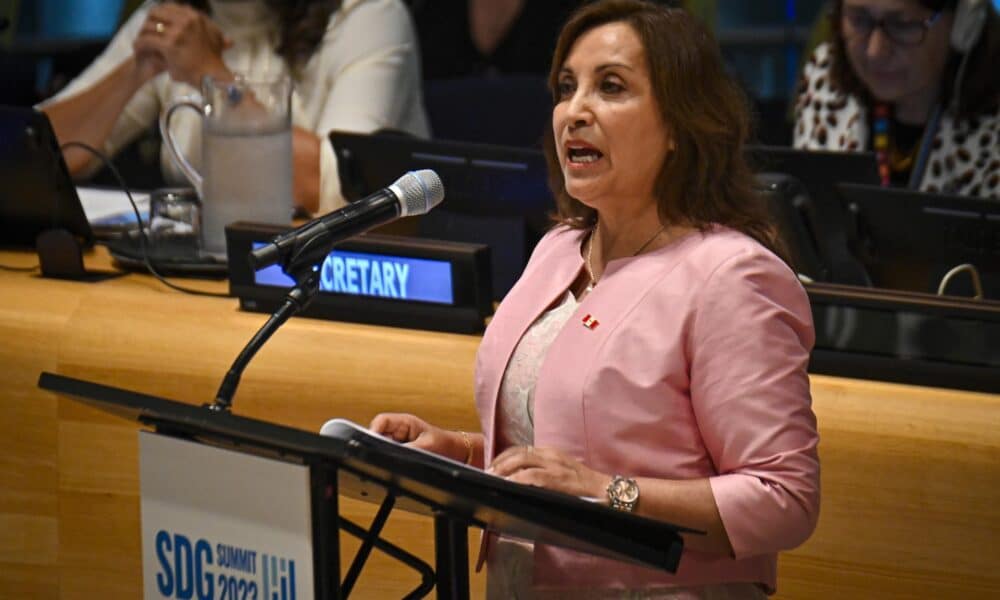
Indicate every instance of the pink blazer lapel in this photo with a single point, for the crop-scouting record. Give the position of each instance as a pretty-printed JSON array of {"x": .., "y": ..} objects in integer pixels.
[
  {"x": 552, "y": 269},
  {"x": 575, "y": 356}
]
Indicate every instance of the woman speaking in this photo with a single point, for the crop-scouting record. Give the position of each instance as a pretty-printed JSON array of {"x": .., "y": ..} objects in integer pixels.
[{"x": 653, "y": 353}]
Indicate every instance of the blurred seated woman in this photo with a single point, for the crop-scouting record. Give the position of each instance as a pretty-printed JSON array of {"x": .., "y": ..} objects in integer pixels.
[
  {"x": 354, "y": 65},
  {"x": 915, "y": 81},
  {"x": 653, "y": 353},
  {"x": 463, "y": 38}
]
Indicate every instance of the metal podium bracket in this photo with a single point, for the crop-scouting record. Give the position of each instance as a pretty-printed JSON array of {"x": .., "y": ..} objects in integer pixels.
[
  {"x": 369, "y": 539},
  {"x": 326, "y": 538},
  {"x": 451, "y": 554}
]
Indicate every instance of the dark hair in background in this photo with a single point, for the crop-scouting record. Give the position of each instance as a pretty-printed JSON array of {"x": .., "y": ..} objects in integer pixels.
[
  {"x": 706, "y": 179},
  {"x": 302, "y": 26},
  {"x": 980, "y": 89}
]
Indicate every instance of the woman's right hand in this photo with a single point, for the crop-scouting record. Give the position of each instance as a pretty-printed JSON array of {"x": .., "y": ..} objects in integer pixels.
[
  {"x": 185, "y": 40},
  {"x": 414, "y": 431}
]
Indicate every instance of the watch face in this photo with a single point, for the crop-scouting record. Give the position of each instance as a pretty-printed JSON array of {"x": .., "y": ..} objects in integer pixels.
[
  {"x": 630, "y": 491},
  {"x": 625, "y": 491}
]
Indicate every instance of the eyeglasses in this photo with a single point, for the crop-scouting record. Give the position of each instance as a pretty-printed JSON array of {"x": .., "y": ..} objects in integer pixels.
[{"x": 858, "y": 23}]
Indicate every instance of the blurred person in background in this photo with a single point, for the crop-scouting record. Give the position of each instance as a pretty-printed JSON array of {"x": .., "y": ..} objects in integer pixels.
[
  {"x": 915, "y": 81},
  {"x": 354, "y": 65},
  {"x": 462, "y": 38}
]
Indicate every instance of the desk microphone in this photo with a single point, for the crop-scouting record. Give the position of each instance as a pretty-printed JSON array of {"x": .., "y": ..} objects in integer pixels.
[{"x": 412, "y": 194}]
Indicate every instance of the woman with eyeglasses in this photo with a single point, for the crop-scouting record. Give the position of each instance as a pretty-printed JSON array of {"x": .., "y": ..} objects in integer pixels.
[{"x": 916, "y": 82}]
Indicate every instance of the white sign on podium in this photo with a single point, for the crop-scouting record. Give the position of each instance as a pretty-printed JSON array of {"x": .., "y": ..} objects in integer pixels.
[{"x": 222, "y": 525}]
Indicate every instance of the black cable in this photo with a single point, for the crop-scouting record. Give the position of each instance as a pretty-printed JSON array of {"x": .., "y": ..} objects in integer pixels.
[
  {"x": 19, "y": 269},
  {"x": 143, "y": 239}
]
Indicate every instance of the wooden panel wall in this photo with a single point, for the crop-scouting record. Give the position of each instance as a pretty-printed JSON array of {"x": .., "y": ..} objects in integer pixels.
[
  {"x": 910, "y": 495},
  {"x": 911, "y": 476}
]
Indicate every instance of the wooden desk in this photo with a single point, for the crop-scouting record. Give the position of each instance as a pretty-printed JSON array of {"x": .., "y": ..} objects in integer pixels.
[{"x": 911, "y": 476}]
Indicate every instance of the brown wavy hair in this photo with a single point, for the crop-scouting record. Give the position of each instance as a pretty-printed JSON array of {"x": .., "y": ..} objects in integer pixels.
[
  {"x": 706, "y": 179},
  {"x": 302, "y": 25},
  {"x": 979, "y": 91}
]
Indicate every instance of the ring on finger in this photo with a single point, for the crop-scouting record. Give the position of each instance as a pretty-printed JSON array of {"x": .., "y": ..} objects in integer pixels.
[{"x": 160, "y": 27}]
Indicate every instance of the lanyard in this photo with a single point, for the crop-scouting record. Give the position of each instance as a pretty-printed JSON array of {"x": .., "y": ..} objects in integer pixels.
[{"x": 882, "y": 145}]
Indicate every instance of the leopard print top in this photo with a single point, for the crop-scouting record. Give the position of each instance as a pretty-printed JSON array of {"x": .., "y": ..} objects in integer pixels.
[{"x": 964, "y": 157}]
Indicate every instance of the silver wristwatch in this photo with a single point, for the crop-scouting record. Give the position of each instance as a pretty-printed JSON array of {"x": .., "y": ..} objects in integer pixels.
[{"x": 623, "y": 493}]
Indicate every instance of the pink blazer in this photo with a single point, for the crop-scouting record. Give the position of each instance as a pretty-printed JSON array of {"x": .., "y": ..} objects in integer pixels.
[{"x": 696, "y": 368}]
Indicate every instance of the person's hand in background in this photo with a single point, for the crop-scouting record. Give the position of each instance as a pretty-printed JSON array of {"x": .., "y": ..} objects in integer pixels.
[
  {"x": 184, "y": 42},
  {"x": 148, "y": 64}
]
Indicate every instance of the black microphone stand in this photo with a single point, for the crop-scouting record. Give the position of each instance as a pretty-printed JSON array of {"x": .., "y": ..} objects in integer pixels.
[
  {"x": 303, "y": 267},
  {"x": 298, "y": 298}
]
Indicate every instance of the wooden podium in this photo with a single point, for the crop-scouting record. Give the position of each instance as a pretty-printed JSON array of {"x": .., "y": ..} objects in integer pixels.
[{"x": 349, "y": 461}]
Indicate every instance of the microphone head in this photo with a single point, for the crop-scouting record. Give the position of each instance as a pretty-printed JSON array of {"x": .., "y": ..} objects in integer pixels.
[{"x": 418, "y": 192}]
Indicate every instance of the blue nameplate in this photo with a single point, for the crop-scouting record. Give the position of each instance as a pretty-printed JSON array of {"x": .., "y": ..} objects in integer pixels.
[
  {"x": 375, "y": 275},
  {"x": 381, "y": 279}
]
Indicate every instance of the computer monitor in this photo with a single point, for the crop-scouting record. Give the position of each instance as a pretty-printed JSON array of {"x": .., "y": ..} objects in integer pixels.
[
  {"x": 819, "y": 172},
  {"x": 909, "y": 240},
  {"x": 789, "y": 205},
  {"x": 494, "y": 195},
  {"x": 815, "y": 167},
  {"x": 36, "y": 192}
]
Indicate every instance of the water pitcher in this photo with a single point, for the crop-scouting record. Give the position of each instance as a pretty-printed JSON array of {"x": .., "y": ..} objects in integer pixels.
[{"x": 246, "y": 139}]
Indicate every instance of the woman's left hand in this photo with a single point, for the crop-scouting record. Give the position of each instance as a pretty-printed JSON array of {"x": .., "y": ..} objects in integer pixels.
[{"x": 550, "y": 469}]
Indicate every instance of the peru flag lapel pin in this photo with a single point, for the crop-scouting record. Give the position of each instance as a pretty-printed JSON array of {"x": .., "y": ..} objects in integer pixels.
[{"x": 590, "y": 322}]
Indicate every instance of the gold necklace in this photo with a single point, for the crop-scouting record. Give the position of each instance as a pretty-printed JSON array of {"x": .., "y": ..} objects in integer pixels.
[{"x": 590, "y": 251}]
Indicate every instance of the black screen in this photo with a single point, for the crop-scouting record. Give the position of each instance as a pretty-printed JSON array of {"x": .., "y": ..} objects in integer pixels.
[{"x": 36, "y": 192}]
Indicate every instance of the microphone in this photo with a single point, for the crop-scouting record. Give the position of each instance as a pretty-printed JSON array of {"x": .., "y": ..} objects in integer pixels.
[{"x": 412, "y": 194}]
